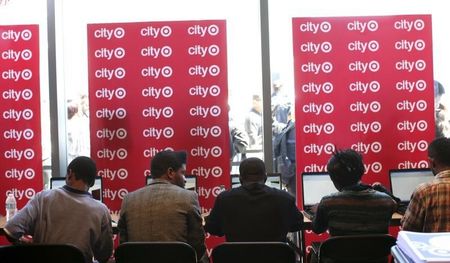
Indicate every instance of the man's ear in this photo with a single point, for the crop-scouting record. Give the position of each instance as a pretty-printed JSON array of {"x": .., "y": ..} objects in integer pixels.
[
  {"x": 70, "y": 174},
  {"x": 265, "y": 177},
  {"x": 170, "y": 173}
]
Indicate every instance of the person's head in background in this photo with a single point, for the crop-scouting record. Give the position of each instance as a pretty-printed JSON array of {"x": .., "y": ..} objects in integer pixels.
[
  {"x": 252, "y": 170},
  {"x": 346, "y": 168},
  {"x": 170, "y": 166},
  {"x": 256, "y": 103},
  {"x": 439, "y": 91},
  {"x": 84, "y": 105},
  {"x": 277, "y": 86},
  {"x": 81, "y": 173},
  {"x": 439, "y": 155},
  {"x": 72, "y": 109}
]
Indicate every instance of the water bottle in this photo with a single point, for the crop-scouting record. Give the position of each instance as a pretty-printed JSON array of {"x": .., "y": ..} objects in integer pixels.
[{"x": 11, "y": 206}]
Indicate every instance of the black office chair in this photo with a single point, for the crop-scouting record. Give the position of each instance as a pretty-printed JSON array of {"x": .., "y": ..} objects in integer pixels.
[
  {"x": 157, "y": 252},
  {"x": 41, "y": 253},
  {"x": 357, "y": 249},
  {"x": 260, "y": 252}
]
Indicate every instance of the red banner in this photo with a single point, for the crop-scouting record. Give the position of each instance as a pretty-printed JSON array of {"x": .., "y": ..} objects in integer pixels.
[
  {"x": 156, "y": 86},
  {"x": 20, "y": 124},
  {"x": 364, "y": 83}
]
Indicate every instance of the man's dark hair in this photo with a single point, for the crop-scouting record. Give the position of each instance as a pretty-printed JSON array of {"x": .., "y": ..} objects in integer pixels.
[
  {"x": 164, "y": 160},
  {"x": 84, "y": 169},
  {"x": 439, "y": 150},
  {"x": 346, "y": 167},
  {"x": 252, "y": 170}
]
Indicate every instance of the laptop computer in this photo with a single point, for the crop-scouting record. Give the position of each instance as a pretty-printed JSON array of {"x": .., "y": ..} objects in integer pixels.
[
  {"x": 315, "y": 185},
  {"x": 95, "y": 190},
  {"x": 273, "y": 180},
  {"x": 404, "y": 182},
  {"x": 191, "y": 181}
]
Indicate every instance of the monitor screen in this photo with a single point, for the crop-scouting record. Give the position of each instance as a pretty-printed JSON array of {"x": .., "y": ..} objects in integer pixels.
[
  {"x": 403, "y": 182},
  {"x": 191, "y": 181},
  {"x": 57, "y": 182},
  {"x": 273, "y": 180},
  {"x": 95, "y": 190},
  {"x": 315, "y": 186}
]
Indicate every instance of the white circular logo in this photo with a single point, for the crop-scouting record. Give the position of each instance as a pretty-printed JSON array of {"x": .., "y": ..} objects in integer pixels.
[
  {"x": 122, "y": 153},
  {"x": 167, "y": 112},
  {"x": 167, "y": 71},
  {"x": 27, "y": 114},
  {"x": 216, "y": 131},
  {"x": 419, "y": 24},
  {"x": 30, "y": 193},
  {"x": 121, "y": 133},
  {"x": 119, "y": 32},
  {"x": 121, "y": 113},
  {"x": 374, "y": 45},
  {"x": 215, "y": 111},
  {"x": 29, "y": 173},
  {"x": 213, "y": 30},
  {"x": 328, "y": 128},
  {"x": 120, "y": 93},
  {"x": 27, "y": 74},
  {"x": 122, "y": 173},
  {"x": 214, "y": 90},
  {"x": 216, "y": 151},
  {"x": 422, "y": 145},
  {"x": 119, "y": 52},
  {"x": 372, "y": 25},
  {"x": 327, "y": 67},
  {"x": 168, "y": 132},
  {"x": 26, "y": 54},
  {"x": 216, "y": 171},
  {"x": 120, "y": 73},
  {"x": 327, "y": 87},
  {"x": 325, "y": 27},
  {"x": 166, "y": 31},
  {"x": 26, "y": 34}
]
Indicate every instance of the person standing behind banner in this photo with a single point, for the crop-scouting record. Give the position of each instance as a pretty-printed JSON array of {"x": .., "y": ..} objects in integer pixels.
[
  {"x": 164, "y": 210},
  {"x": 253, "y": 124},
  {"x": 67, "y": 215},
  {"x": 284, "y": 153},
  {"x": 280, "y": 107},
  {"x": 429, "y": 208}
]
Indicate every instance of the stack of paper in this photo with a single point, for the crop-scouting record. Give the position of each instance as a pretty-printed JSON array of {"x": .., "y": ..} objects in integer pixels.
[{"x": 425, "y": 247}]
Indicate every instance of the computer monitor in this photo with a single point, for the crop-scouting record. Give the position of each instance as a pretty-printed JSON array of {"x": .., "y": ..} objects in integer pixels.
[
  {"x": 405, "y": 181},
  {"x": 315, "y": 186},
  {"x": 191, "y": 181},
  {"x": 95, "y": 190},
  {"x": 273, "y": 180}
]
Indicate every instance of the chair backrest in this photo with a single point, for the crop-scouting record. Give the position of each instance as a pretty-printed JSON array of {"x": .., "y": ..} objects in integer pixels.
[
  {"x": 260, "y": 252},
  {"x": 361, "y": 249},
  {"x": 158, "y": 252},
  {"x": 41, "y": 253}
]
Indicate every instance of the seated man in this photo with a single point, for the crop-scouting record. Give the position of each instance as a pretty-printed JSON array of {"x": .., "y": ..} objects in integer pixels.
[
  {"x": 164, "y": 210},
  {"x": 254, "y": 211},
  {"x": 356, "y": 209},
  {"x": 67, "y": 215},
  {"x": 428, "y": 210}
]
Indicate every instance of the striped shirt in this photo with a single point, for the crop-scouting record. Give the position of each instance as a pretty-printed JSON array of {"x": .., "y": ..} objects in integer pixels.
[
  {"x": 429, "y": 208},
  {"x": 353, "y": 212}
]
